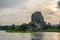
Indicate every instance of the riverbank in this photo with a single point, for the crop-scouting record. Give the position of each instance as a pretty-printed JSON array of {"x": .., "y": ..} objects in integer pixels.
[
  {"x": 50, "y": 30},
  {"x": 43, "y": 30},
  {"x": 17, "y": 31}
]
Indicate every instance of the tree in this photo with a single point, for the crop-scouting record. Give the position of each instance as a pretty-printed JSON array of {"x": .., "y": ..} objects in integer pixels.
[
  {"x": 13, "y": 26},
  {"x": 59, "y": 4},
  {"x": 45, "y": 25},
  {"x": 49, "y": 25},
  {"x": 23, "y": 27}
]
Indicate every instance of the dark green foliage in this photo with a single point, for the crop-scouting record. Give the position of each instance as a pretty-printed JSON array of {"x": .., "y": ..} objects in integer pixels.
[
  {"x": 49, "y": 26},
  {"x": 45, "y": 26},
  {"x": 23, "y": 27},
  {"x": 59, "y": 4},
  {"x": 59, "y": 26},
  {"x": 3, "y": 27}
]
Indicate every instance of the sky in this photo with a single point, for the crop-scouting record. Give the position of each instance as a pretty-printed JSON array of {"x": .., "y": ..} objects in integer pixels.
[{"x": 20, "y": 11}]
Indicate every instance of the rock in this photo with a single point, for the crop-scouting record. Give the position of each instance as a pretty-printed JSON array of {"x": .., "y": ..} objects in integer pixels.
[{"x": 37, "y": 21}]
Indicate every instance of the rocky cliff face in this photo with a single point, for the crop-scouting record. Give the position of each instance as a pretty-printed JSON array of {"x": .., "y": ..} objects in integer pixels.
[
  {"x": 37, "y": 21},
  {"x": 37, "y": 17}
]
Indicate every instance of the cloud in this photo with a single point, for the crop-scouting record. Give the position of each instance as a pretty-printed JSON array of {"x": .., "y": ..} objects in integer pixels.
[
  {"x": 20, "y": 11},
  {"x": 11, "y": 3}
]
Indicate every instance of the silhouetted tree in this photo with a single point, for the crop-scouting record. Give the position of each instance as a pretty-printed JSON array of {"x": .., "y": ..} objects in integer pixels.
[
  {"x": 49, "y": 25},
  {"x": 45, "y": 25},
  {"x": 13, "y": 26},
  {"x": 59, "y": 25},
  {"x": 59, "y": 4}
]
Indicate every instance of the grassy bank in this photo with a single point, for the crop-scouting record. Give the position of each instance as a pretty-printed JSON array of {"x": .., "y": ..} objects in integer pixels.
[
  {"x": 50, "y": 30},
  {"x": 44, "y": 30},
  {"x": 16, "y": 31}
]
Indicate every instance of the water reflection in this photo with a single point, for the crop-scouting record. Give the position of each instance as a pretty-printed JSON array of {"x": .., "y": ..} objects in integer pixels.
[
  {"x": 46, "y": 36},
  {"x": 59, "y": 36},
  {"x": 37, "y": 36}
]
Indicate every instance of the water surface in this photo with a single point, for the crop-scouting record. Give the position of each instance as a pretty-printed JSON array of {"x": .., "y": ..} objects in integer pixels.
[{"x": 28, "y": 36}]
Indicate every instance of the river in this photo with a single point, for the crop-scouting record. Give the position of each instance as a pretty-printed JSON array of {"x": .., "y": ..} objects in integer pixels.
[
  {"x": 46, "y": 36},
  {"x": 27, "y": 36}
]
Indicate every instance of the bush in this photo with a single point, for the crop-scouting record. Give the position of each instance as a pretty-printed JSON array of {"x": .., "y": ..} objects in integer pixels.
[{"x": 23, "y": 27}]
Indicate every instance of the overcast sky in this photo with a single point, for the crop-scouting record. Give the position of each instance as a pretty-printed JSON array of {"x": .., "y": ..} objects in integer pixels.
[{"x": 19, "y": 11}]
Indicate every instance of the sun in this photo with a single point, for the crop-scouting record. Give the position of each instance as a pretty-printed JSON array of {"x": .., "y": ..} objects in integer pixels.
[{"x": 54, "y": 9}]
